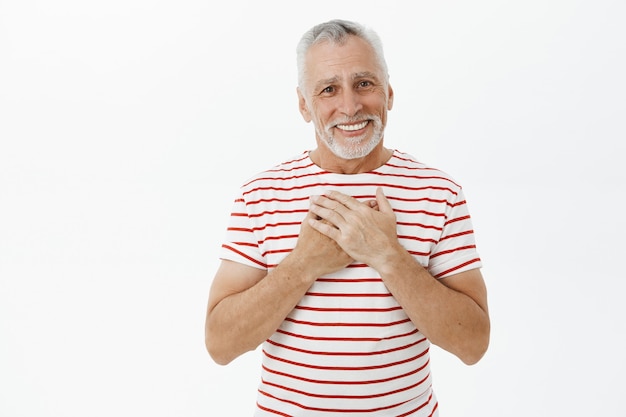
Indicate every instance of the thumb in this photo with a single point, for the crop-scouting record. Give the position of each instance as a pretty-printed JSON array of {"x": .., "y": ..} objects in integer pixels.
[{"x": 383, "y": 203}]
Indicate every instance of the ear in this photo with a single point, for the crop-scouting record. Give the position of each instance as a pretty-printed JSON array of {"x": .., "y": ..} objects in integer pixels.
[
  {"x": 303, "y": 107},
  {"x": 389, "y": 98}
]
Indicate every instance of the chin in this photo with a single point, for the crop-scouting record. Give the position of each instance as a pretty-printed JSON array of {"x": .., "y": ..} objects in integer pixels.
[{"x": 353, "y": 152}]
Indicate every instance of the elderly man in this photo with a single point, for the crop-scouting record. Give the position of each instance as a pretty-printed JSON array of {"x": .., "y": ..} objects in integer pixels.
[{"x": 346, "y": 262}]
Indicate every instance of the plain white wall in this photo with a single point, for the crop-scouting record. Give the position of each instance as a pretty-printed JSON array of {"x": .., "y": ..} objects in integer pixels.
[{"x": 126, "y": 127}]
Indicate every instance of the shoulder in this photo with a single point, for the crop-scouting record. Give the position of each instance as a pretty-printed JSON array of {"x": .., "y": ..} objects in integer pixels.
[
  {"x": 282, "y": 182},
  {"x": 407, "y": 166},
  {"x": 292, "y": 166}
]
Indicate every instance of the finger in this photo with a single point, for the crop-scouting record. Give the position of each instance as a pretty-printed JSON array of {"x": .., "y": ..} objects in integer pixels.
[
  {"x": 327, "y": 202},
  {"x": 342, "y": 200},
  {"x": 324, "y": 228},
  {"x": 326, "y": 213},
  {"x": 383, "y": 204},
  {"x": 312, "y": 216},
  {"x": 373, "y": 204}
]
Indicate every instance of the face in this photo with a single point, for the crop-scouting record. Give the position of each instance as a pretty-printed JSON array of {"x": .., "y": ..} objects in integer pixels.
[{"x": 346, "y": 96}]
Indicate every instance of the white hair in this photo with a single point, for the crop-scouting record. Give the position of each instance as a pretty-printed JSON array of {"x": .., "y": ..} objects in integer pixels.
[{"x": 337, "y": 31}]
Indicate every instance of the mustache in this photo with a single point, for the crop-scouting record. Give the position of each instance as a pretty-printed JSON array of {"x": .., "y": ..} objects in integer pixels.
[{"x": 352, "y": 119}]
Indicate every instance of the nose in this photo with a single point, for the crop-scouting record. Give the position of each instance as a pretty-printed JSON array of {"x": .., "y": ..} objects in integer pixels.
[{"x": 350, "y": 102}]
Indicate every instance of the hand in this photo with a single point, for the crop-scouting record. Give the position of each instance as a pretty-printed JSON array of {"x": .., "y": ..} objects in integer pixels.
[
  {"x": 365, "y": 231},
  {"x": 319, "y": 254}
]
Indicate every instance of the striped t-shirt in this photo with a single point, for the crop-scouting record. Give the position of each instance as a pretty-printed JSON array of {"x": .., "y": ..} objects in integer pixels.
[{"x": 348, "y": 348}]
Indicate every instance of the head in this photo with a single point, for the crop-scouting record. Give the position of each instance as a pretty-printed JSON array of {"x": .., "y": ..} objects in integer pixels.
[
  {"x": 337, "y": 31},
  {"x": 343, "y": 87}
]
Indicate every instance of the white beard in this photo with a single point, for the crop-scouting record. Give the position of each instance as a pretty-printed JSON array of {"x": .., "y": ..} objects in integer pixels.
[{"x": 354, "y": 148}]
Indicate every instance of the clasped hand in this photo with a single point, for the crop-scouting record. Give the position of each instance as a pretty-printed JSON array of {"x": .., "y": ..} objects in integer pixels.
[{"x": 366, "y": 231}]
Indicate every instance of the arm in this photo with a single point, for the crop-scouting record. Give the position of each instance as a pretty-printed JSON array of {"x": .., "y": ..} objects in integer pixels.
[
  {"x": 451, "y": 312},
  {"x": 246, "y": 305}
]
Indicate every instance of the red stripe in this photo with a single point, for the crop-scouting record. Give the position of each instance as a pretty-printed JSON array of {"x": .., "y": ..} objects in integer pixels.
[
  {"x": 370, "y": 353},
  {"x": 279, "y": 237},
  {"x": 272, "y": 411},
  {"x": 460, "y": 248},
  {"x": 421, "y": 168},
  {"x": 349, "y": 280},
  {"x": 279, "y": 200},
  {"x": 345, "y": 368},
  {"x": 253, "y": 245},
  {"x": 239, "y": 229},
  {"x": 244, "y": 255},
  {"x": 269, "y": 252},
  {"x": 428, "y": 213},
  {"x": 446, "y": 272},
  {"x": 415, "y": 200},
  {"x": 458, "y": 219},
  {"x": 276, "y": 225},
  {"x": 423, "y": 226},
  {"x": 324, "y": 294},
  {"x": 436, "y": 406},
  {"x": 347, "y": 339},
  {"x": 419, "y": 239},
  {"x": 348, "y": 310},
  {"x": 278, "y": 212},
  {"x": 417, "y": 177},
  {"x": 284, "y": 178},
  {"x": 452, "y": 236},
  {"x": 347, "y": 382},
  {"x": 348, "y": 397},
  {"x": 328, "y": 184},
  {"x": 418, "y": 253},
  {"x": 338, "y": 324},
  {"x": 331, "y": 410},
  {"x": 415, "y": 410}
]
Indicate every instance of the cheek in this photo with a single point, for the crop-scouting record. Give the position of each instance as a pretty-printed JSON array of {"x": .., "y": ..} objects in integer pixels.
[{"x": 322, "y": 114}]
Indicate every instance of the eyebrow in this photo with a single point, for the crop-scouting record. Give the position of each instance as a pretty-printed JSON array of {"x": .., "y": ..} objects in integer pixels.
[
  {"x": 364, "y": 74},
  {"x": 321, "y": 83},
  {"x": 355, "y": 76}
]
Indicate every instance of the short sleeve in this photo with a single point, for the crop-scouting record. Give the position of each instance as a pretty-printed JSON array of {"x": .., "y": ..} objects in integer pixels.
[
  {"x": 240, "y": 243},
  {"x": 456, "y": 250}
]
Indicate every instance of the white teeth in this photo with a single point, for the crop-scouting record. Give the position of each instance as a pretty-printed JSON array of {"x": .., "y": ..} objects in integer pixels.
[{"x": 353, "y": 127}]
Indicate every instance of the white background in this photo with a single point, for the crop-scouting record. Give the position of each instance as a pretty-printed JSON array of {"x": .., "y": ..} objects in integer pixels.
[{"x": 127, "y": 125}]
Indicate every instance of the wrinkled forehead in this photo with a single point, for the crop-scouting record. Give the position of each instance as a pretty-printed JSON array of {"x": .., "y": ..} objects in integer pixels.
[{"x": 345, "y": 61}]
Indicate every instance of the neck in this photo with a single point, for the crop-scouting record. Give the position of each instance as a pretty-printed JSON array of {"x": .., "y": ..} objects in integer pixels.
[{"x": 328, "y": 161}]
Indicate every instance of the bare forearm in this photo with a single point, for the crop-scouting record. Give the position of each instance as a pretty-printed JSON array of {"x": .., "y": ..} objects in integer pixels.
[
  {"x": 242, "y": 321},
  {"x": 448, "y": 318}
]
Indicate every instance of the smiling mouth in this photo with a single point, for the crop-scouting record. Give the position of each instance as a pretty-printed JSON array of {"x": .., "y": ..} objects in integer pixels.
[{"x": 353, "y": 127}]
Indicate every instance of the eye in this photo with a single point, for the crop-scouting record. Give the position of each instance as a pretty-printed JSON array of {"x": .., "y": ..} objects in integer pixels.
[
  {"x": 328, "y": 90},
  {"x": 364, "y": 84}
]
